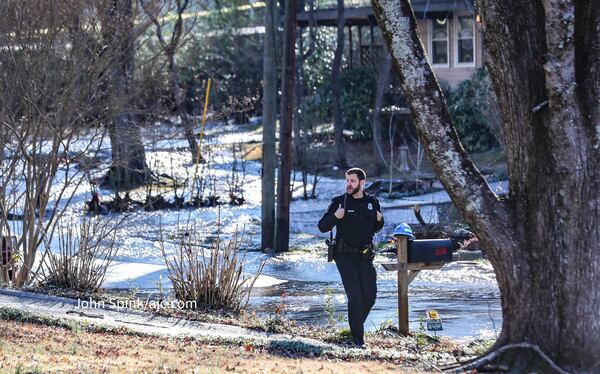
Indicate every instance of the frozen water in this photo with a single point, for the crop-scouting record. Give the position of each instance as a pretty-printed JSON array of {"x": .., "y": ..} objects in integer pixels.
[{"x": 465, "y": 293}]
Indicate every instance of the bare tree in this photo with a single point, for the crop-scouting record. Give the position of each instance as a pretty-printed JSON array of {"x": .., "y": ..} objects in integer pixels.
[
  {"x": 299, "y": 141},
  {"x": 383, "y": 78},
  {"x": 542, "y": 240},
  {"x": 282, "y": 233},
  {"x": 153, "y": 10},
  {"x": 303, "y": 138},
  {"x": 48, "y": 100},
  {"x": 129, "y": 168},
  {"x": 338, "y": 120}
]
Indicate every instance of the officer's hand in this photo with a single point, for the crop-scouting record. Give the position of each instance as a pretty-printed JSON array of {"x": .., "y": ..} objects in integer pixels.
[
  {"x": 339, "y": 213},
  {"x": 379, "y": 216}
]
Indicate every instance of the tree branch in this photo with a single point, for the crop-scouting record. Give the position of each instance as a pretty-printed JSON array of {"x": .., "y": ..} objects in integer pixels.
[
  {"x": 463, "y": 182},
  {"x": 153, "y": 17}
]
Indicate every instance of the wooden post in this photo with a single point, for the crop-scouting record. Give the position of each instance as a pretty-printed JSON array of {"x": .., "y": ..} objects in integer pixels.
[{"x": 402, "y": 252}]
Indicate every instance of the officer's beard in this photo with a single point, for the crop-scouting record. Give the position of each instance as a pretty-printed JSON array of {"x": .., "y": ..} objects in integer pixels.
[{"x": 353, "y": 191}]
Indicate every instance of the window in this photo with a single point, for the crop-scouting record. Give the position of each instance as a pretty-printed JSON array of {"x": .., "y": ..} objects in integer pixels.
[
  {"x": 439, "y": 41},
  {"x": 465, "y": 41}
]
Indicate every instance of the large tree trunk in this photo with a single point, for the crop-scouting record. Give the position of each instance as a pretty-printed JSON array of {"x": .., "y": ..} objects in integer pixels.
[
  {"x": 338, "y": 121},
  {"x": 128, "y": 167},
  {"x": 282, "y": 233},
  {"x": 383, "y": 79},
  {"x": 543, "y": 240},
  {"x": 269, "y": 158}
]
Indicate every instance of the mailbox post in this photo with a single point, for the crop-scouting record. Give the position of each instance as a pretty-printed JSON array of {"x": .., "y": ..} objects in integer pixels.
[
  {"x": 402, "y": 233},
  {"x": 424, "y": 254}
]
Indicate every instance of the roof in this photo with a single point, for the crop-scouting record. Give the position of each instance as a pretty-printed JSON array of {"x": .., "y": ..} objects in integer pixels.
[{"x": 360, "y": 12}]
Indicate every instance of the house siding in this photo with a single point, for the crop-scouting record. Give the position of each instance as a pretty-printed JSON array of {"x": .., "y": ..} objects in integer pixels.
[{"x": 453, "y": 74}]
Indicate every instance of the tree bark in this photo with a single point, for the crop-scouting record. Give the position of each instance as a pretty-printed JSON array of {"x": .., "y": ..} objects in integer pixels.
[
  {"x": 269, "y": 158},
  {"x": 170, "y": 49},
  {"x": 383, "y": 79},
  {"x": 338, "y": 121},
  {"x": 282, "y": 233},
  {"x": 543, "y": 240},
  {"x": 128, "y": 167}
]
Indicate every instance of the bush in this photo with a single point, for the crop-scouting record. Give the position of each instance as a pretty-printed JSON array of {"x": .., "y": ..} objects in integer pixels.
[
  {"x": 357, "y": 90},
  {"x": 316, "y": 107},
  {"x": 212, "y": 280},
  {"x": 83, "y": 257},
  {"x": 473, "y": 109}
]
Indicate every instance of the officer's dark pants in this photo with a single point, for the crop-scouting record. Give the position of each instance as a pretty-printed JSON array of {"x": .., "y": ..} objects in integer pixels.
[{"x": 360, "y": 283}]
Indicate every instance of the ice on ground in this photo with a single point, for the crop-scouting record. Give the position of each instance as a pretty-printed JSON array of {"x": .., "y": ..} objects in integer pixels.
[{"x": 461, "y": 291}]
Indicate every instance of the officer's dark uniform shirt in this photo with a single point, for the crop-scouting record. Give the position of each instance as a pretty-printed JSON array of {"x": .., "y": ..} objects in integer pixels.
[{"x": 359, "y": 222}]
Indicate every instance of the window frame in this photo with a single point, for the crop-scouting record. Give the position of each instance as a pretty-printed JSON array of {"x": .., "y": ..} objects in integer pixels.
[
  {"x": 455, "y": 35},
  {"x": 430, "y": 44}
]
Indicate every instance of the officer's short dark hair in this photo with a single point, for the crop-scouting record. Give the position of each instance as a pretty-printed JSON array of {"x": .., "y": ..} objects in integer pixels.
[{"x": 360, "y": 173}]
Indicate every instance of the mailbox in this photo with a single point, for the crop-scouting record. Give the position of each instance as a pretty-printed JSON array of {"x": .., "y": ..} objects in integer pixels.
[{"x": 430, "y": 250}]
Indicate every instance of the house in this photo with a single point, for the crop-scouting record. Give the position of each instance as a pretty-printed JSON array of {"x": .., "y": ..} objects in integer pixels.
[{"x": 449, "y": 31}]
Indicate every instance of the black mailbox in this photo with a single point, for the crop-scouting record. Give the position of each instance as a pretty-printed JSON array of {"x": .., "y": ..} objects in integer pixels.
[{"x": 430, "y": 250}]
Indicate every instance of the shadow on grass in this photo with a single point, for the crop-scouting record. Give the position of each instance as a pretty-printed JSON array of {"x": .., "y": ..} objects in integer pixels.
[{"x": 299, "y": 348}]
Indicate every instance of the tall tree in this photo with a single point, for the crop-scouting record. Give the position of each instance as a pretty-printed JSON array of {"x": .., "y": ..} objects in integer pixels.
[
  {"x": 300, "y": 139},
  {"x": 542, "y": 240},
  {"x": 282, "y": 234},
  {"x": 383, "y": 78},
  {"x": 338, "y": 120},
  {"x": 153, "y": 10},
  {"x": 48, "y": 98},
  {"x": 269, "y": 158},
  {"x": 128, "y": 167},
  {"x": 298, "y": 142}
]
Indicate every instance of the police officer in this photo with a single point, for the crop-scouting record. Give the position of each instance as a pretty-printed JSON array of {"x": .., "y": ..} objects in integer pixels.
[{"x": 356, "y": 216}]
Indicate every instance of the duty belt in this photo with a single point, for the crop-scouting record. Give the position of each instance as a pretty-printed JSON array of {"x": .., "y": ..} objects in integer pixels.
[{"x": 345, "y": 248}]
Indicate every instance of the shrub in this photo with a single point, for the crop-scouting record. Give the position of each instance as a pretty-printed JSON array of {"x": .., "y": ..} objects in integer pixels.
[
  {"x": 210, "y": 278},
  {"x": 474, "y": 112},
  {"x": 357, "y": 90},
  {"x": 83, "y": 255}
]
